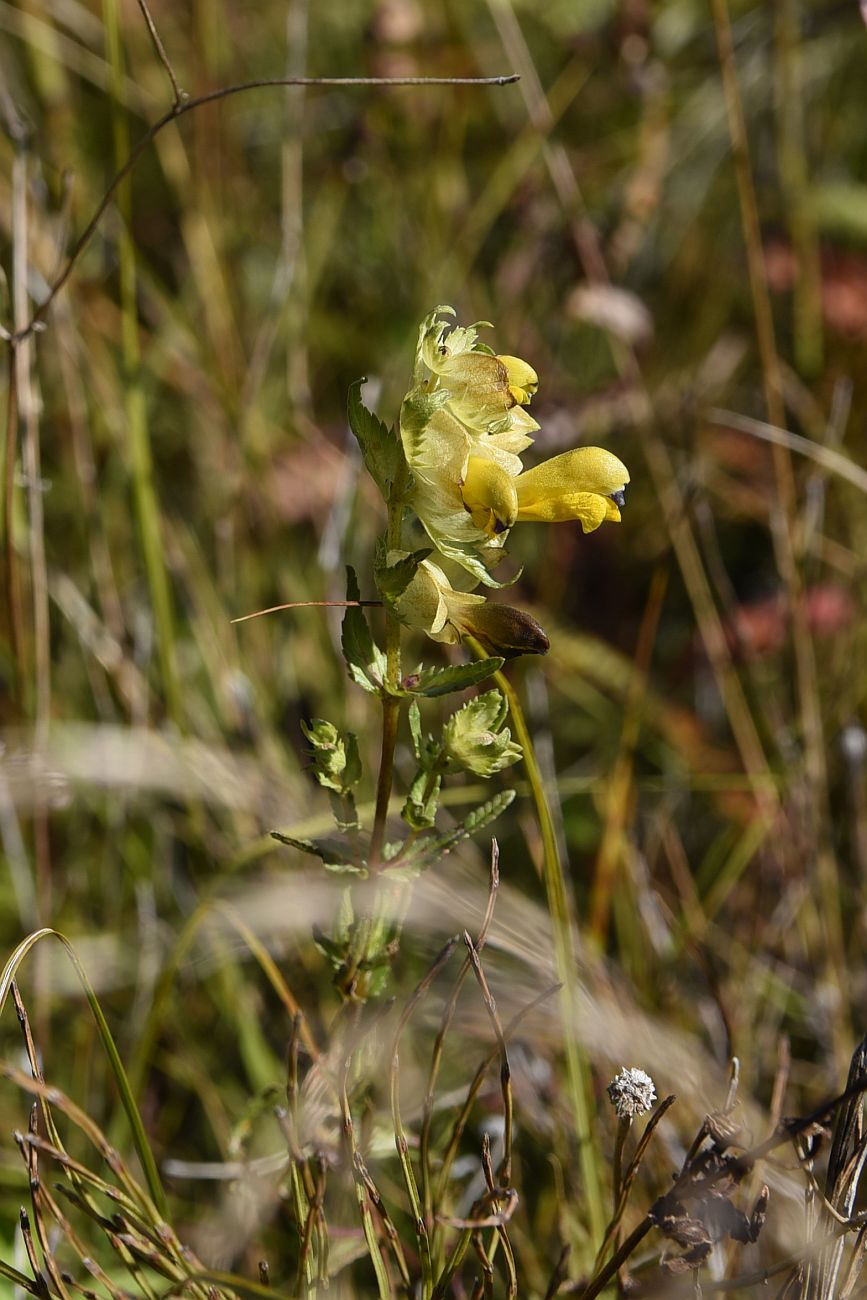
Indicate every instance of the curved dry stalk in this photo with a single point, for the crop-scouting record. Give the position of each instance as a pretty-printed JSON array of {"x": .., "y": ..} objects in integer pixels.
[{"x": 178, "y": 110}]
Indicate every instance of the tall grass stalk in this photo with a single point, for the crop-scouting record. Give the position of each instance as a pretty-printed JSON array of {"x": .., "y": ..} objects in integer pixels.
[
  {"x": 137, "y": 432},
  {"x": 580, "y": 1083},
  {"x": 784, "y": 524}
]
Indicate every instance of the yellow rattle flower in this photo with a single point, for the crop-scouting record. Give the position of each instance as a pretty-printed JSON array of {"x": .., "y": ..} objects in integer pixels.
[
  {"x": 587, "y": 484},
  {"x": 464, "y": 425}
]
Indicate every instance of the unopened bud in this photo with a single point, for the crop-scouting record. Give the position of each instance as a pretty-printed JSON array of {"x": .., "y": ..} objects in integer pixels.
[{"x": 504, "y": 630}]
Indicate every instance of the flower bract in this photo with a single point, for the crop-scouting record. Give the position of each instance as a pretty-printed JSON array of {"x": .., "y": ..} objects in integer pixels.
[{"x": 431, "y": 605}]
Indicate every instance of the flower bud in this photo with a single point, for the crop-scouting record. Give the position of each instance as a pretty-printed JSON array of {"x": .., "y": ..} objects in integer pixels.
[{"x": 504, "y": 630}]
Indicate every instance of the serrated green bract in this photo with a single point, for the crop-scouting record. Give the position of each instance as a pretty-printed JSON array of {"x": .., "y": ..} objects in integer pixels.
[
  {"x": 419, "y": 810},
  {"x": 475, "y": 738},
  {"x": 364, "y": 659},
  {"x": 417, "y": 409},
  {"x": 380, "y": 446},
  {"x": 337, "y": 765},
  {"x": 415, "y": 728},
  {"x": 459, "y": 677},
  {"x": 392, "y": 580}
]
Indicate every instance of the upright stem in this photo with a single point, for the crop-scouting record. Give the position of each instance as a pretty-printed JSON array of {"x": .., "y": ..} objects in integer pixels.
[
  {"x": 390, "y": 699},
  {"x": 390, "y": 719},
  {"x": 580, "y": 1083}
]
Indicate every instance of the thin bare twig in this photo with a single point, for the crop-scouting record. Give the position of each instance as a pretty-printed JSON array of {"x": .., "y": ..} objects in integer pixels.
[
  {"x": 505, "y": 1068},
  {"x": 187, "y": 106},
  {"x": 178, "y": 95},
  {"x": 310, "y": 604},
  {"x": 475, "y": 1086}
]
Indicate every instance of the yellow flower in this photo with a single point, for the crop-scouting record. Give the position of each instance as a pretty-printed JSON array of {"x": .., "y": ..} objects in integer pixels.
[
  {"x": 466, "y": 403},
  {"x": 587, "y": 484},
  {"x": 464, "y": 426},
  {"x": 483, "y": 389}
]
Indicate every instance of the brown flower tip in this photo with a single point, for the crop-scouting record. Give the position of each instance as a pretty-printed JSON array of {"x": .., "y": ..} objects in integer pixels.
[{"x": 504, "y": 630}]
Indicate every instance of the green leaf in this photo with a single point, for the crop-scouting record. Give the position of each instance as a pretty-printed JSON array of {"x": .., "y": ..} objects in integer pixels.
[
  {"x": 419, "y": 810},
  {"x": 380, "y": 446},
  {"x": 364, "y": 660},
  {"x": 487, "y": 812},
  {"x": 335, "y": 952},
  {"x": 345, "y": 917},
  {"x": 442, "y": 681},
  {"x": 336, "y": 761},
  {"x": 428, "y": 852},
  {"x": 344, "y": 811},
  {"x": 474, "y": 738},
  {"x": 352, "y": 771},
  {"x": 335, "y": 853},
  {"x": 415, "y": 731},
  {"x": 392, "y": 580},
  {"x": 427, "y": 750}
]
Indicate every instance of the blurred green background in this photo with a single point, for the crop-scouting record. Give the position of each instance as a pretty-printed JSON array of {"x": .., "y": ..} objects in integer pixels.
[{"x": 180, "y": 456}]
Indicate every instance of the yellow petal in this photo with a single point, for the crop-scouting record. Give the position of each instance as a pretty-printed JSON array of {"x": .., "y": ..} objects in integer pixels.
[
  {"x": 489, "y": 494},
  {"x": 523, "y": 380},
  {"x": 589, "y": 508},
  {"x": 586, "y": 469},
  {"x": 479, "y": 387}
]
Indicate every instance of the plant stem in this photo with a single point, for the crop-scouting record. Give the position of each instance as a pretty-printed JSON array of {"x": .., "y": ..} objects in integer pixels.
[
  {"x": 580, "y": 1083},
  {"x": 390, "y": 699},
  {"x": 385, "y": 780},
  {"x": 795, "y": 185}
]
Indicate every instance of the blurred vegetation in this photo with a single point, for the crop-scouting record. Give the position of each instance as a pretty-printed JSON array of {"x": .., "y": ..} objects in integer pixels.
[{"x": 180, "y": 456}]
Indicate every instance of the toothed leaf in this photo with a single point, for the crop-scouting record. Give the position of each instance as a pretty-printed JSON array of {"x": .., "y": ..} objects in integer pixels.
[
  {"x": 459, "y": 677},
  {"x": 380, "y": 446}
]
